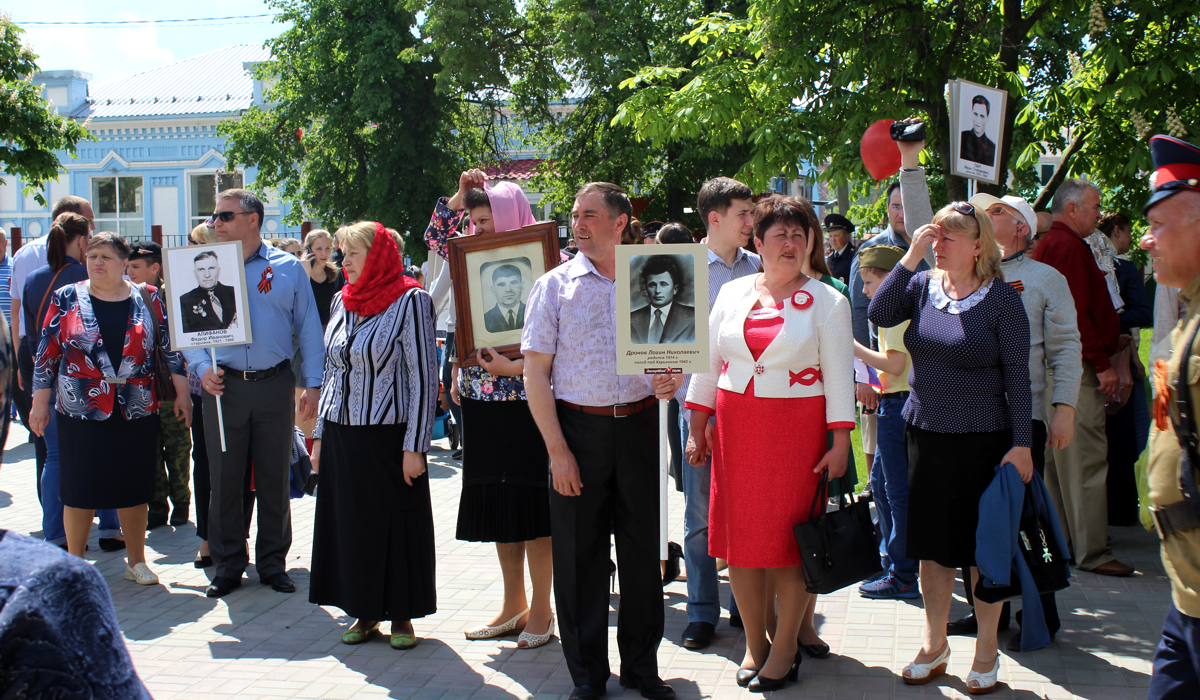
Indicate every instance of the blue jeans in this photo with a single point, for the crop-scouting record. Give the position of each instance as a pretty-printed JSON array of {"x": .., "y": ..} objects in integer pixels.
[
  {"x": 1177, "y": 659},
  {"x": 52, "y": 508},
  {"x": 889, "y": 488},
  {"x": 455, "y": 409},
  {"x": 704, "y": 598}
]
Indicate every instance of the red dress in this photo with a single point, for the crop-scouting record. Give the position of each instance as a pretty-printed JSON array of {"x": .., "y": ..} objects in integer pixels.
[{"x": 764, "y": 452}]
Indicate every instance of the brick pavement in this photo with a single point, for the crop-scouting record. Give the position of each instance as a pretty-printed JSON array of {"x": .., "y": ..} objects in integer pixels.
[{"x": 257, "y": 643}]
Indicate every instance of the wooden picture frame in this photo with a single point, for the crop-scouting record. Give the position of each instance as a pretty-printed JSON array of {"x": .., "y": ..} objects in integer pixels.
[{"x": 487, "y": 271}]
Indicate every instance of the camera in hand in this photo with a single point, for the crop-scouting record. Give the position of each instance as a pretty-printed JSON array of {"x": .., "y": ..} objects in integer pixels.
[{"x": 902, "y": 131}]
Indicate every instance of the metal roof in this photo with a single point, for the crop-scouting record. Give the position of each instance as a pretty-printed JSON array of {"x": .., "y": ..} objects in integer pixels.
[{"x": 210, "y": 83}]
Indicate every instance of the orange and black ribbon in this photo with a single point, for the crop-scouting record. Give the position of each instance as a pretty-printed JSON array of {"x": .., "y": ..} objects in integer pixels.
[{"x": 264, "y": 285}]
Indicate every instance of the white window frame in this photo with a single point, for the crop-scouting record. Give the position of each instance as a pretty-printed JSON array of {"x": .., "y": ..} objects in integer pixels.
[{"x": 102, "y": 220}]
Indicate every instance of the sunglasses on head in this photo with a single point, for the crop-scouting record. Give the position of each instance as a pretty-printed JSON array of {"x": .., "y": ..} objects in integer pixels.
[
  {"x": 964, "y": 208},
  {"x": 225, "y": 216}
]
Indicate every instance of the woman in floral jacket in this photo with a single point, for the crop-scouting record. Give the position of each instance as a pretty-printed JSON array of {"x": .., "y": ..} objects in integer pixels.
[
  {"x": 506, "y": 473},
  {"x": 96, "y": 356}
]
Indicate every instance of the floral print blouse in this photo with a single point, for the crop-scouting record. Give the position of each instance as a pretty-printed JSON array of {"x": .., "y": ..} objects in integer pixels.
[
  {"x": 473, "y": 382},
  {"x": 71, "y": 357}
]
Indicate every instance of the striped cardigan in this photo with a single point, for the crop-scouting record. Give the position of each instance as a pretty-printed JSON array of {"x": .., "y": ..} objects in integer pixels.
[{"x": 382, "y": 369}]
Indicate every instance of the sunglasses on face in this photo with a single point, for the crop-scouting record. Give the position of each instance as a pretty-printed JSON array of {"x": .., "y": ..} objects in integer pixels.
[{"x": 225, "y": 216}]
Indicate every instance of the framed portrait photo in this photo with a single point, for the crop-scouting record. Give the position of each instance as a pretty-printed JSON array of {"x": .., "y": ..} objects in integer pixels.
[
  {"x": 662, "y": 309},
  {"x": 976, "y": 130},
  {"x": 206, "y": 295},
  {"x": 493, "y": 275}
]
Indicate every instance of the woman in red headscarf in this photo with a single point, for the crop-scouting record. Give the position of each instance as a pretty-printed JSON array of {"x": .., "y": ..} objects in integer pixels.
[{"x": 373, "y": 553}]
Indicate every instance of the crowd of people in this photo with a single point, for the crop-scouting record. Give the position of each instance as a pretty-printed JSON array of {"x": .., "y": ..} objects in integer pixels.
[{"x": 986, "y": 355}]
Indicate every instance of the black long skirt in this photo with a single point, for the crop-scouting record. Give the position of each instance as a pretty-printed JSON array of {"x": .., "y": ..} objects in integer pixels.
[
  {"x": 947, "y": 475},
  {"x": 107, "y": 463},
  {"x": 373, "y": 553},
  {"x": 506, "y": 475}
]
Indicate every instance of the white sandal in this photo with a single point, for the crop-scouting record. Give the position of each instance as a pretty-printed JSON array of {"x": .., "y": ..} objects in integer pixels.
[
  {"x": 504, "y": 628},
  {"x": 986, "y": 681},
  {"x": 533, "y": 641},
  {"x": 140, "y": 574},
  {"x": 920, "y": 674}
]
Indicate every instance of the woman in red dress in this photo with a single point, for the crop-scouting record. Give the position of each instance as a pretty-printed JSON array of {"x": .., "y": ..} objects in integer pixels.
[{"x": 782, "y": 374}]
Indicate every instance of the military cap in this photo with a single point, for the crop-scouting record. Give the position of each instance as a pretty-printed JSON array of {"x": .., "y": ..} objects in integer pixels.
[
  {"x": 1176, "y": 168},
  {"x": 140, "y": 250},
  {"x": 838, "y": 221}
]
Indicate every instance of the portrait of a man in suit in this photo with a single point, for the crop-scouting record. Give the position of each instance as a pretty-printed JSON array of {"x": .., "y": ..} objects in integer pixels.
[
  {"x": 508, "y": 286},
  {"x": 211, "y": 305},
  {"x": 664, "y": 319},
  {"x": 974, "y": 145}
]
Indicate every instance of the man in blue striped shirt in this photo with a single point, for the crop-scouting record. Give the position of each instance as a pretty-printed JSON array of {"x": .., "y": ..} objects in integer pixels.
[{"x": 727, "y": 209}]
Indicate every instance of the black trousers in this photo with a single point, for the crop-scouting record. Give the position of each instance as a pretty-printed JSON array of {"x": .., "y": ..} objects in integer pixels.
[
  {"x": 25, "y": 367},
  {"x": 201, "y": 487},
  {"x": 1049, "y": 604},
  {"x": 618, "y": 465},
  {"x": 258, "y": 428}
]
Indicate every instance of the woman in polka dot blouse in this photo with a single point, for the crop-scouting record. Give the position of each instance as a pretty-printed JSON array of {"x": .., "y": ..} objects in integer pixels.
[{"x": 969, "y": 410}]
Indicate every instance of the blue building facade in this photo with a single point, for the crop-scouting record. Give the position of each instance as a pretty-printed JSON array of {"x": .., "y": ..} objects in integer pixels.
[{"x": 157, "y": 159}]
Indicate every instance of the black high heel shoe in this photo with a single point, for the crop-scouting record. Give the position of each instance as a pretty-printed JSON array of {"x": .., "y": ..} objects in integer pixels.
[
  {"x": 745, "y": 675},
  {"x": 674, "y": 554},
  {"x": 762, "y": 684}
]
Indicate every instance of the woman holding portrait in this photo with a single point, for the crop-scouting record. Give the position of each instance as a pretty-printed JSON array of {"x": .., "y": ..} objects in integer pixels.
[
  {"x": 373, "y": 552},
  {"x": 782, "y": 356},
  {"x": 506, "y": 493},
  {"x": 96, "y": 355},
  {"x": 968, "y": 411}
]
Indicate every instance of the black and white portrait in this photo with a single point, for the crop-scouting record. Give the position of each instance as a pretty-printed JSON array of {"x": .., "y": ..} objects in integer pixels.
[
  {"x": 663, "y": 312},
  {"x": 207, "y": 295},
  {"x": 211, "y": 305},
  {"x": 974, "y": 144},
  {"x": 977, "y": 116},
  {"x": 507, "y": 282}
]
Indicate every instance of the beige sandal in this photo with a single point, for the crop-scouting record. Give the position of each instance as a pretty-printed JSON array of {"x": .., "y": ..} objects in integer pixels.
[{"x": 533, "y": 641}]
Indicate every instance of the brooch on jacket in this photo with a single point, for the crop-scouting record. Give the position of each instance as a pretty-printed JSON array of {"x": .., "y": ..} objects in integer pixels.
[
  {"x": 199, "y": 310},
  {"x": 802, "y": 300},
  {"x": 264, "y": 285}
]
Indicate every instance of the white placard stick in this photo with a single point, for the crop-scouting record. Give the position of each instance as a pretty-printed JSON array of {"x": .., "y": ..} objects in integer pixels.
[
  {"x": 664, "y": 469},
  {"x": 220, "y": 417}
]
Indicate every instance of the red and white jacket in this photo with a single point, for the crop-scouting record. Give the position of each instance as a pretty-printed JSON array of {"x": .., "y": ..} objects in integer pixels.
[{"x": 813, "y": 354}]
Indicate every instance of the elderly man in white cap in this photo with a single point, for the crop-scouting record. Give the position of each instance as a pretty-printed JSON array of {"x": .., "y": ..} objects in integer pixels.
[{"x": 1055, "y": 348}]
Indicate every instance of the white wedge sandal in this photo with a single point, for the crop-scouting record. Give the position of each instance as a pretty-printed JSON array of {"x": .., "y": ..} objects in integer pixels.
[
  {"x": 984, "y": 682},
  {"x": 920, "y": 674}
]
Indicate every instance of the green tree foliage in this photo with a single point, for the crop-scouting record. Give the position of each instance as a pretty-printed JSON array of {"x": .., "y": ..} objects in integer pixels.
[
  {"x": 795, "y": 80},
  {"x": 32, "y": 131},
  {"x": 355, "y": 125},
  {"x": 549, "y": 52}
]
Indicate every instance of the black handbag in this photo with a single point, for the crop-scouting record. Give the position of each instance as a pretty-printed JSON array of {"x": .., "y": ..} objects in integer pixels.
[
  {"x": 164, "y": 388},
  {"x": 837, "y": 549},
  {"x": 1047, "y": 565}
]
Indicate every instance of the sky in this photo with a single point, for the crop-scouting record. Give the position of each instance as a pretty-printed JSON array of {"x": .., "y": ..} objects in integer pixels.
[{"x": 109, "y": 53}]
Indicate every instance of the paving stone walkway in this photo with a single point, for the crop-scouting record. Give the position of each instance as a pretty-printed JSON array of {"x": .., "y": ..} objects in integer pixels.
[{"x": 256, "y": 643}]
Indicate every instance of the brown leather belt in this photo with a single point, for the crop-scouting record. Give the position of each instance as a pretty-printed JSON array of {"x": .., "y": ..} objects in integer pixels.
[{"x": 620, "y": 410}]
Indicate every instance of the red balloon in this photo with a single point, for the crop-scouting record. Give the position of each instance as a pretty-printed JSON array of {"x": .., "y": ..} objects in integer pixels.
[{"x": 879, "y": 152}]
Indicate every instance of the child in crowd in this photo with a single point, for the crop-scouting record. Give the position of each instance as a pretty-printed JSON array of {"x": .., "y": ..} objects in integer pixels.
[{"x": 889, "y": 472}]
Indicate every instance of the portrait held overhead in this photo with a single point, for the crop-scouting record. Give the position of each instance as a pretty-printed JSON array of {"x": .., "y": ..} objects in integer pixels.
[
  {"x": 665, "y": 318},
  {"x": 977, "y": 118}
]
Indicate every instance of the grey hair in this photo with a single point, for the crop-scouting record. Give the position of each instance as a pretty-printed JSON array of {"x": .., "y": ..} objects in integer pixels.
[
  {"x": 1071, "y": 190},
  {"x": 247, "y": 200}
]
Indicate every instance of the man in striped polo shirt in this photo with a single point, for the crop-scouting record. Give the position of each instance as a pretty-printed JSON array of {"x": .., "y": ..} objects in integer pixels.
[{"x": 727, "y": 209}]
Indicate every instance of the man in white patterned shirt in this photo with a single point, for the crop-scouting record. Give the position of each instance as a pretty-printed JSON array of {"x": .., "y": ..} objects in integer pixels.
[{"x": 601, "y": 430}]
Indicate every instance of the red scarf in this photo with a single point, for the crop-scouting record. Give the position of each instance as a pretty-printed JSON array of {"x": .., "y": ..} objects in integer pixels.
[{"x": 382, "y": 280}]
